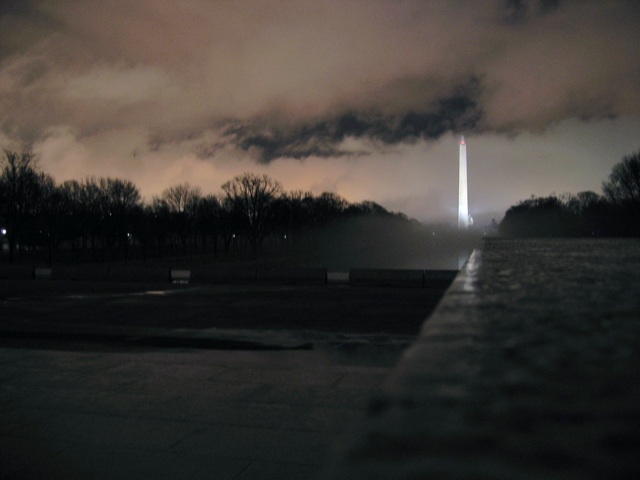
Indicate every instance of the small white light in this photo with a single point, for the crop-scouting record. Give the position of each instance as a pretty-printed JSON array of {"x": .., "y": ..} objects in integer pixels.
[{"x": 4, "y": 231}]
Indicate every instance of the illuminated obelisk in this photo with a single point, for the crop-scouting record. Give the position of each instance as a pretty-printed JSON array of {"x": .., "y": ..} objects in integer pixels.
[{"x": 463, "y": 203}]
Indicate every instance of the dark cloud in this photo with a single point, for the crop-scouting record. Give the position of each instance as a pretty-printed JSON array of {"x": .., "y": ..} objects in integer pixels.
[
  {"x": 13, "y": 7},
  {"x": 518, "y": 11},
  {"x": 323, "y": 137},
  {"x": 22, "y": 25},
  {"x": 547, "y": 6},
  {"x": 390, "y": 120}
]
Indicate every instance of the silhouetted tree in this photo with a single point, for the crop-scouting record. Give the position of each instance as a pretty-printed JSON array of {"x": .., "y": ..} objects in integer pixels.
[
  {"x": 590, "y": 212},
  {"x": 622, "y": 189},
  {"x": 252, "y": 197},
  {"x": 328, "y": 206},
  {"x": 141, "y": 218},
  {"x": 292, "y": 212},
  {"x": 73, "y": 223},
  {"x": 181, "y": 197},
  {"x": 160, "y": 224},
  {"x": 107, "y": 214},
  {"x": 46, "y": 215},
  {"x": 92, "y": 214},
  {"x": 19, "y": 184},
  {"x": 207, "y": 221},
  {"x": 230, "y": 222},
  {"x": 537, "y": 217},
  {"x": 623, "y": 185},
  {"x": 366, "y": 208},
  {"x": 181, "y": 202},
  {"x": 118, "y": 199}
]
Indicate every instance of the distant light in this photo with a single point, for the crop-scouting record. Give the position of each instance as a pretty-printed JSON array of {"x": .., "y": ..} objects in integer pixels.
[{"x": 3, "y": 231}]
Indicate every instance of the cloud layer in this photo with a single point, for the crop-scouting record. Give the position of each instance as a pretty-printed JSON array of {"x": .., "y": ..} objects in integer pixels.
[
  {"x": 304, "y": 79},
  {"x": 389, "y": 70}
]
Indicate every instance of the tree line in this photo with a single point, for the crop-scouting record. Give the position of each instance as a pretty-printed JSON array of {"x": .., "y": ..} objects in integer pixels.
[
  {"x": 105, "y": 219},
  {"x": 586, "y": 214}
]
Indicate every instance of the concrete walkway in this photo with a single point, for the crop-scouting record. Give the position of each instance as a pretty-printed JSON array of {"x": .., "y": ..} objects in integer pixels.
[
  {"x": 168, "y": 414},
  {"x": 114, "y": 381}
]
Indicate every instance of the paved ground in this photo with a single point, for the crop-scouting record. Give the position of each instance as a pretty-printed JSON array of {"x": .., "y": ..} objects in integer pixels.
[
  {"x": 175, "y": 413},
  {"x": 150, "y": 381},
  {"x": 337, "y": 308}
]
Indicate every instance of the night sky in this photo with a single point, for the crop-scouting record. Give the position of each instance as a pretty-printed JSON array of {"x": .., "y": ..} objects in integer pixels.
[{"x": 366, "y": 99}]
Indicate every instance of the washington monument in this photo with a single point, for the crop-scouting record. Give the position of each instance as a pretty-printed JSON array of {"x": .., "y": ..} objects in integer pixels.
[{"x": 463, "y": 203}]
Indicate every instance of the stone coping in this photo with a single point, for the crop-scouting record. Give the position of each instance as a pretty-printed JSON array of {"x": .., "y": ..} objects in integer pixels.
[{"x": 526, "y": 369}]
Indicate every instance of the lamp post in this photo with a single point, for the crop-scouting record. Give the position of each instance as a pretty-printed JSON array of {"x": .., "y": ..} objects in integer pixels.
[{"x": 3, "y": 233}]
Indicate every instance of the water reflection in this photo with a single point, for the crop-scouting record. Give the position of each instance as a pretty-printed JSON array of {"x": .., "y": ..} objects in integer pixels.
[{"x": 472, "y": 269}]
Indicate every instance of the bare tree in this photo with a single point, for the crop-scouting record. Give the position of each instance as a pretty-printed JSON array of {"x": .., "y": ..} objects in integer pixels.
[
  {"x": 228, "y": 222},
  {"x": 93, "y": 217},
  {"x": 623, "y": 186},
  {"x": 252, "y": 197},
  {"x": 582, "y": 201},
  {"x": 328, "y": 206},
  {"x": 46, "y": 215},
  {"x": 292, "y": 212},
  {"x": 118, "y": 200},
  {"x": 19, "y": 189},
  {"x": 74, "y": 225},
  {"x": 207, "y": 221},
  {"x": 622, "y": 189},
  {"x": 181, "y": 202},
  {"x": 160, "y": 220},
  {"x": 181, "y": 198}
]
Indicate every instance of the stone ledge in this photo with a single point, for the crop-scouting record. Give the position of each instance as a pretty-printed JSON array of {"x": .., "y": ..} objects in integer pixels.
[{"x": 524, "y": 370}]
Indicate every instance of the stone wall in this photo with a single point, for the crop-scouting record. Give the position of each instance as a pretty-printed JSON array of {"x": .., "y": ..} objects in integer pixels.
[{"x": 527, "y": 369}]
